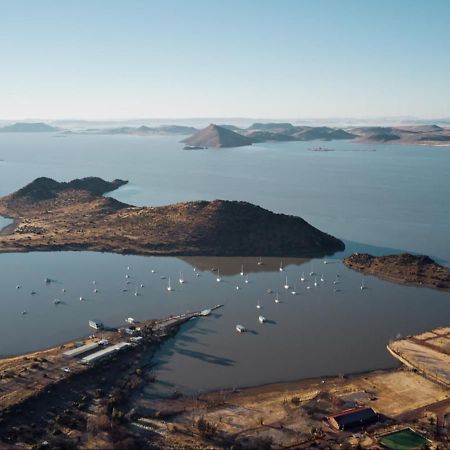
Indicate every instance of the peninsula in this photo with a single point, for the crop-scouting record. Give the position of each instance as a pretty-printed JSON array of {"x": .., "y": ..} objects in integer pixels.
[
  {"x": 49, "y": 215},
  {"x": 416, "y": 270}
]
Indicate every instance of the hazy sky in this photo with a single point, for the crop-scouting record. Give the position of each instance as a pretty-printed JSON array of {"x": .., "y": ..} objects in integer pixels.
[{"x": 224, "y": 58}]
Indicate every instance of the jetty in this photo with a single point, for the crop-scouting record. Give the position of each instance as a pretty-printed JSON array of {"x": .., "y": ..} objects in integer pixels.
[{"x": 87, "y": 359}]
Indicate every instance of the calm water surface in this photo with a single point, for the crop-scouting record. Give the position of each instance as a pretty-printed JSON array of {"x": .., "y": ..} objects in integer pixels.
[{"x": 395, "y": 197}]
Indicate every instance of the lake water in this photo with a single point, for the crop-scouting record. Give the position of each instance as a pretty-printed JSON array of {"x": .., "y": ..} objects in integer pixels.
[
  {"x": 4, "y": 222},
  {"x": 393, "y": 198}
]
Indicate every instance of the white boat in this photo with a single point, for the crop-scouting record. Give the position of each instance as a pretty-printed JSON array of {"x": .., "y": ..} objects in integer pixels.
[
  {"x": 128, "y": 267},
  {"x": 240, "y": 328},
  {"x": 286, "y": 284},
  {"x": 169, "y": 287},
  {"x": 363, "y": 286},
  {"x": 237, "y": 288},
  {"x": 258, "y": 306},
  {"x": 294, "y": 292},
  {"x": 322, "y": 278},
  {"x": 23, "y": 313},
  {"x": 95, "y": 291},
  {"x": 57, "y": 301},
  {"x": 126, "y": 276},
  {"x": 97, "y": 325},
  {"x": 141, "y": 285},
  {"x": 181, "y": 279},
  {"x": 63, "y": 290},
  {"x": 81, "y": 299},
  {"x": 246, "y": 279},
  {"x": 136, "y": 293},
  {"x": 277, "y": 299},
  {"x": 152, "y": 271},
  {"x": 242, "y": 270},
  {"x": 269, "y": 291},
  {"x": 261, "y": 319},
  {"x": 94, "y": 282},
  {"x": 281, "y": 266},
  {"x": 130, "y": 320},
  {"x": 336, "y": 282},
  {"x": 315, "y": 282},
  {"x": 197, "y": 274},
  {"x": 18, "y": 286},
  {"x": 33, "y": 293},
  {"x": 302, "y": 278},
  {"x": 218, "y": 279},
  {"x": 308, "y": 286},
  {"x": 260, "y": 263},
  {"x": 205, "y": 312},
  {"x": 47, "y": 280}
]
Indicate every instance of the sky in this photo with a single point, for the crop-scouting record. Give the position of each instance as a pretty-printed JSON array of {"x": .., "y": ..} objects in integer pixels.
[{"x": 113, "y": 59}]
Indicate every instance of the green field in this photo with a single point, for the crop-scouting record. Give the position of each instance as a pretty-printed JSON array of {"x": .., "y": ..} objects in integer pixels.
[{"x": 403, "y": 440}]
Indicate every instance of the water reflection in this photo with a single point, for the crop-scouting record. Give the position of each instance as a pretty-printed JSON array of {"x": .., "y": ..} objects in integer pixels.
[{"x": 230, "y": 266}]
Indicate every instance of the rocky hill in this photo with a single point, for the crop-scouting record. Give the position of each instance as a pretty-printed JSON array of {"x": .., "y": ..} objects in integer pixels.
[
  {"x": 219, "y": 137},
  {"x": 418, "y": 270},
  {"x": 75, "y": 216}
]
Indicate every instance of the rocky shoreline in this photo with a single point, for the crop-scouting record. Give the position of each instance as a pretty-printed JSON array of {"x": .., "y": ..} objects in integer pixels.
[{"x": 415, "y": 270}]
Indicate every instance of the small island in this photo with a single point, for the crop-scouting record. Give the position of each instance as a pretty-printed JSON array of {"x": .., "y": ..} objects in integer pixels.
[
  {"x": 75, "y": 215},
  {"x": 415, "y": 270}
]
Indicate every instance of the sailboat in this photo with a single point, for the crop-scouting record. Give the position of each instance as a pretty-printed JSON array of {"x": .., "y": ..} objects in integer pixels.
[
  {"x": 246, "y": 279},
  {"x": 286, "y": 284},
  {"x": 277, "y": 299},
  {"x": 237, "y": 287},
  {"x": 242, "y": 270},
  {"x": 315, "y": 282},
  {"x": 260, "y": 261},
  {"x": 258, "y": 305},
  {"x": 169, "y": 287},
  {"x": 181, "y": 279},
  {"x": 294, "y": 292},
  {"x": 261, "y": 319},
  {"x": 281, "y": 266},
  {"x": 218, "y": 279},
  {"x": 322, "y": 278},
  {"x": 363, "y": 286},
  {"x": 302, "y": 278}
]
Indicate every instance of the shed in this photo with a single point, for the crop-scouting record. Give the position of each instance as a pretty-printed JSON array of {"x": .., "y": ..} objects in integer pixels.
[{"x": 353, "y": 418}]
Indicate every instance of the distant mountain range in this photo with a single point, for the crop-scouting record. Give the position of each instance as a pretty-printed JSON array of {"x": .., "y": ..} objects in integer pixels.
[
  {"x": 229, "y": 135},
  {"x": 26, "y": 127},
  {"x": 232, "y": 136}
]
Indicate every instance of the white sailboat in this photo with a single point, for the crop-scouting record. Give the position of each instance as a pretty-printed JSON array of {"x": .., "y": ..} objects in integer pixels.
[
  {"x": 246, "y": 279},
  {"x": 261, "y": 319},
  {"x": 294, "y": 292},
  {"x": 169, "y": 287},
  {"x": 258, "y": 305},
  {"x": 218, "y": 279},
  {"x": 363, "y": 286},
  {"x": 240, "y": 328},
  {"x": 286, "y": 284},
  {"x": 277, "y": 298},
  {"x": 315, "y": 282},
  {"x": 281, "y": 266},
  {"x": 242, "y": 270},
  {"x": 302, "y": 278},
  {"x": 181, "y": 279},
  {"x": 260, "y": 261}
]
